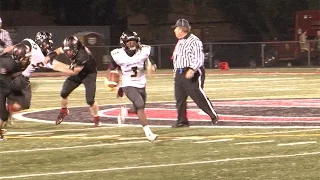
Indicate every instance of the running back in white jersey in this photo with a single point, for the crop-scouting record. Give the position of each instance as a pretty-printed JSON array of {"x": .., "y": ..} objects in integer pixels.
[
  {"x": 36, "y": 59},
  {"x": 132, "y": 67}
]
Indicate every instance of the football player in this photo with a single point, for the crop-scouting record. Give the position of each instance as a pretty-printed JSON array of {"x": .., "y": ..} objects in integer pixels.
[
  {"x": 44, "y": 41},
  {"x": 82, "y": 70},
  {"x": 32, "y": 54},
  {"x": 130, "y": 59},
  {"x": 12, "y": 85}
]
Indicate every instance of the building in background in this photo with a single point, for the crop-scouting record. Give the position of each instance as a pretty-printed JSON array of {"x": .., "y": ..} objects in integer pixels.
[{"x": 208, "y": 29}]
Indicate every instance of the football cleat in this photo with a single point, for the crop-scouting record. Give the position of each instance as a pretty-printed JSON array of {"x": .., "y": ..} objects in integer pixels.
[
  {"x": 1, "y": 134},
  {"x": 215, "y": 120},
  {"x": 152, "y": 137},
  {"x": 61, "y": 116}
]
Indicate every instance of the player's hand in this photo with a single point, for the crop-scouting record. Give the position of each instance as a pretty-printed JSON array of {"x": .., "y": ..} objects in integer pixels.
[
  {"x": 46, "y": 60},
  {"x": 3, "y": 71},
  {"x": 189, "y": 74},
  {"x": 151, "y": 68},
  {"x": 154, "y": 67}
]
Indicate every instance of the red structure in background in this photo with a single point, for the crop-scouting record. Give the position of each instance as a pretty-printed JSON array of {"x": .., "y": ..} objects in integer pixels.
[
  {"x": 224, "y": 66},
  {"x": 290, "y": 51}
]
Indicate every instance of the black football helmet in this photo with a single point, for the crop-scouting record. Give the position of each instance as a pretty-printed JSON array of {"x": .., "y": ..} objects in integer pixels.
[
  {"x": 21, "y": 54},
  {"x": 71, "y": 46},
  {"x": 44, "y": 41},
  {"x": 130, "y": 36}
]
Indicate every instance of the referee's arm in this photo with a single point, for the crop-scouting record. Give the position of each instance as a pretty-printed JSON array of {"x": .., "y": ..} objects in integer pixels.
[{"x": 197, "y": 56}]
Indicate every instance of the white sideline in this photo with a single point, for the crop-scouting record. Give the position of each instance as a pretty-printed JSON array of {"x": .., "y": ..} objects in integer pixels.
[
  {"x": 73, "y": 147},
  {"x": 160, "y": 165}
]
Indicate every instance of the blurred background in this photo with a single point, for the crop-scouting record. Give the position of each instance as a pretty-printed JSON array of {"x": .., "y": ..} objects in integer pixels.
[{"x": 251, "y": 33}]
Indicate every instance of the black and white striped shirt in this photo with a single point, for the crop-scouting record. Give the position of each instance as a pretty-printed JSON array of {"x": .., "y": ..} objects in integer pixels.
[
  {"x": 5, "y": 39},
  {"x": 188, "y": 53}
]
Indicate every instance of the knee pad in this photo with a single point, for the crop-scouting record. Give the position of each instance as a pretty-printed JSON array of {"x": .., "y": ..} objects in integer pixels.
[
  {"x": 139, "y": 104},
  {"x": 90, "y": 102},
  {"x": 25, "y": 106},
  {"x": 63, "y": 94}
]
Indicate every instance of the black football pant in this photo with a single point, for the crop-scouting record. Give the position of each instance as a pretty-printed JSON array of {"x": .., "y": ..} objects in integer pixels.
[
  {"x": 10, "y": 93},
  {"x": 193, "y": 87},
  {"x": 89, "y": 82},
  {"x": 23, "y": 94},
  {"x": 137, "y": 96}
]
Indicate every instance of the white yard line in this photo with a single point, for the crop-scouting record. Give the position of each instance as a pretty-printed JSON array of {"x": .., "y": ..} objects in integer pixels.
[
  {"x": 212, "y": 141},
  {"x": 282, "y": 132},
  {"x": 53, "y": 131},
  {"x": 255, "y": 142},
  {"x": 161, "y": 165},
  {"x": 297, "y": 143},
  {"x": 73, "y": 147},
  {"x": 278, "y": 79}
]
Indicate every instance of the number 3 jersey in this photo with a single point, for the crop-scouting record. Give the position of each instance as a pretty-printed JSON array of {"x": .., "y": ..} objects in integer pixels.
[
  {"x": 132, "y": 67},
  {"x": 36, "y": 59}
]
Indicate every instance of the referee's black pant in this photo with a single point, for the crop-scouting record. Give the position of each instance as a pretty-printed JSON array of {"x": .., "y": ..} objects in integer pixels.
[{"x": 193, "y": 87}]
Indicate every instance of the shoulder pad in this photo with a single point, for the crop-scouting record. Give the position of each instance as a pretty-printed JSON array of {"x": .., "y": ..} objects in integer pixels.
[
  {"x": 145, "y": 46},
  {"x": 116, "y": 51}
]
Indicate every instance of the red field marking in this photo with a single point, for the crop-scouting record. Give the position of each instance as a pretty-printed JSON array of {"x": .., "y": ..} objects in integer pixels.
[
  {"x": 197, "y": 115},
  {"x": 272, "y": 103},
  {"x": 159, "y": 113}
]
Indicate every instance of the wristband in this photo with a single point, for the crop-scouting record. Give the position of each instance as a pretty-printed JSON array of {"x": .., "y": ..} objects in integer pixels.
[{"x": 52, "y": 55}]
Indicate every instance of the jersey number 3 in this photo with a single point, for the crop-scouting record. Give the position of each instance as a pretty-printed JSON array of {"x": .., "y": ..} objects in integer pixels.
[{"x": 135, "y": 71}]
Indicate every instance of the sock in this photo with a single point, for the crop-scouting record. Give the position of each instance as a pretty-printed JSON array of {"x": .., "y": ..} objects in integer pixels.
[
  {"x": 64, "y": 110},
  {"x": 97, "y": 118},
  {"x": 11, "y": 109},
  {"x": 147, "y": 130}
]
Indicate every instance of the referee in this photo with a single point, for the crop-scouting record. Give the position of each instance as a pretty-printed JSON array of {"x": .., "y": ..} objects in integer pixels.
[
  {"x": 5, "y": 39},
  {"x": 188, "y": 58}
]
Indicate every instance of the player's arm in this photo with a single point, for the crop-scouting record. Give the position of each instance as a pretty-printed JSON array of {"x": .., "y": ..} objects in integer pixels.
[
  {"x": 64, "y": 68},
  {"x": 112, "y": 78},
  {"x": 59, "y": 66},
  {"x": 10, "y": 47},
  {"x": 150, "y": 64},
  {"x": 113, "y": 66},
  {"x": 52, "y": 55},
  {"x": 7, "y": 50}
]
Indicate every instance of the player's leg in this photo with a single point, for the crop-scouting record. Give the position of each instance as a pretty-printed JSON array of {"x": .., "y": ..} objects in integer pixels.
[
  {"x": 69, "y": 85},
  {"x": 138, "y": 98},
  {"x": 19, "y": 101},
  {"x": 90, "y": 85},
  {"x": 20, "y": 95},
  {"x": 4, "y": 114}
]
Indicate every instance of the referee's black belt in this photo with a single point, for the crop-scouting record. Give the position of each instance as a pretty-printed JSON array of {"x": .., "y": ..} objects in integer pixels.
[{"x": 182, "y": 70}]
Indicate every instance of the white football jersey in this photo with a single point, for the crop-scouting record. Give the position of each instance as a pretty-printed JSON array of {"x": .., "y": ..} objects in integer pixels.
[
  {"x": 132, "y": 67},
  {"x": 36, "y": 59}
]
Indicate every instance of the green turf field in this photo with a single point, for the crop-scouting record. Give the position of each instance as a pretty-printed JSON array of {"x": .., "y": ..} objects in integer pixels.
[{"x": 40, "y": 151}]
